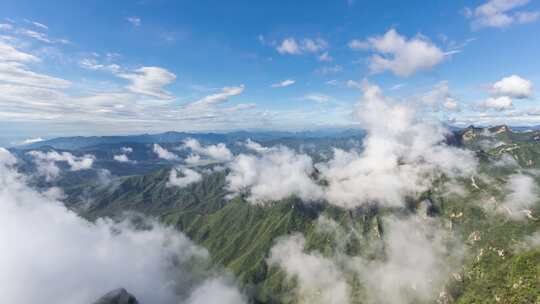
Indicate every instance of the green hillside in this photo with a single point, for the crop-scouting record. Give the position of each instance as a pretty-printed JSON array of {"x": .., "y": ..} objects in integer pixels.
[{"x": 239, "y": 235}]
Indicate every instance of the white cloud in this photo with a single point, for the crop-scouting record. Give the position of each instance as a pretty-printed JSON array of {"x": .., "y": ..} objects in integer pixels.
[
  {"x": 416, "y": 266},
  {"x": 15, "y": 72},
  {"x": 284, "y": 83},
  {"x": 188, "y": 177},
  {"x": 150, "y": 81},
  {"x": 526, "y": 17},
  {"x": 513, "y": 86},
  {"x": 289, "y": 46},
  {"x": 397, "y": 86},
  {"x": 216, "y": 290},
  {"x": 92, "y": 64},
  {"x": 398, "y": 160},
  {"x": 30, "y": 141},
  {"x": 332, "y": 82},
  {"x": 319, "y": 98},
  {"x": 255, "y": 146},
  {"x": 218, "y": 152},
  {"x": 9, "y": 53},
  {"x": 31, "y": 97},
  {"x": 273, "y": 175},
  {"x": 40, "y": 25},
  {"x": 499, "y": 14},
  {"x": 314, "y": 45},
  {"x": 522, "y": 193},
  {"x": 224, "y": 95},
  {"x": 414, "y": 261},
  {"x": 135, "y": 21},
  {"x": 6, "y": 26},
  {"x": 164, "y": 153},
  {"x": 451, "y": 105},
  {"x": 439, "y": 98},
  {"x": 35, "y": 35},
  {"x": 319, "y": 280},
  {"x": 325, "y": 57},
  {"x": 400, "y": 55},
  {"x": 353, "y": 84},
  {"x": 325, "y": 70},
  {"x": 79, "y": 261},
  {"x": 498, "y": 103},
  {"x": 356, "y": 44},
  {"x": 193, "y": 159},
  {"x": 307, "y": 45},
  {"x": 123, "y": 158},
  {"x": 45, "y": 162}
]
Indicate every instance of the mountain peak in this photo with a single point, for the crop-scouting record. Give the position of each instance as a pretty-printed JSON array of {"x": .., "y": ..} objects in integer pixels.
[{"x": 117, "y": 296}]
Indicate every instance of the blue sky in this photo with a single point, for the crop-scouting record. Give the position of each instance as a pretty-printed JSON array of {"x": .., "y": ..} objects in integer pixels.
[{"x": 118, "y": 67}]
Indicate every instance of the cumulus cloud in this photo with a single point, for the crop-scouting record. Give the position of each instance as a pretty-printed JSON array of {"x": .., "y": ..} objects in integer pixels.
[
  {"x": 513, "y": 86},
  {"x": 123, "y": 158},
  {"x": 289, "y": 46},
  {"x": 188, "y": 177},
  {"x": 218, "y": 152},
  {"x": 284, "y": 83},
  {"x": 46, "y": 162},
  {"x": 319, "y": 280},
  {"x": 150, "y": 81},
  {"x": 401, "y": 156},
  {"x": 273, "y": 175},
  {"x": 255, "y": 146},
  {"x": 417, "y": 264},
  {"x": 79, "y": 261},
  {"x": 307, "y": 45},
  {"x": 415, "y": 259},
  {"x": 164, "y": 153},
  {"x": 400, "y": 55},
  {"x": 500, "y": 14},
  {"x": 439, "y": 98},
  {"x": 498, "y": 103},
  {"x": 522, "y": 193}
]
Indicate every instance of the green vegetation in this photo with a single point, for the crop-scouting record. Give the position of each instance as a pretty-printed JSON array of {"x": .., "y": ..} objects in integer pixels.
[{"x": 239, "y": 235}]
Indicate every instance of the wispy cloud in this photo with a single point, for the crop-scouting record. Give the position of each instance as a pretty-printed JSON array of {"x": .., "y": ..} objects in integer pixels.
[
  {"x": 284, "y": 83},
  {"x": 403, "y": 57},
  {"x": 134, "y": 20},
  {"x": 217, "y": 98},
  {"x": 500, "y": 14}
]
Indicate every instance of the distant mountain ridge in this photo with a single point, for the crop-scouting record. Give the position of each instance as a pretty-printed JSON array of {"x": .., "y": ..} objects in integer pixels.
[{"x": 79, "y": 142}]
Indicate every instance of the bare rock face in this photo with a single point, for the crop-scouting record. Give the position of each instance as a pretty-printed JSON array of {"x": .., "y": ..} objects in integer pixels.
[{"x": 117, "y": 296}]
